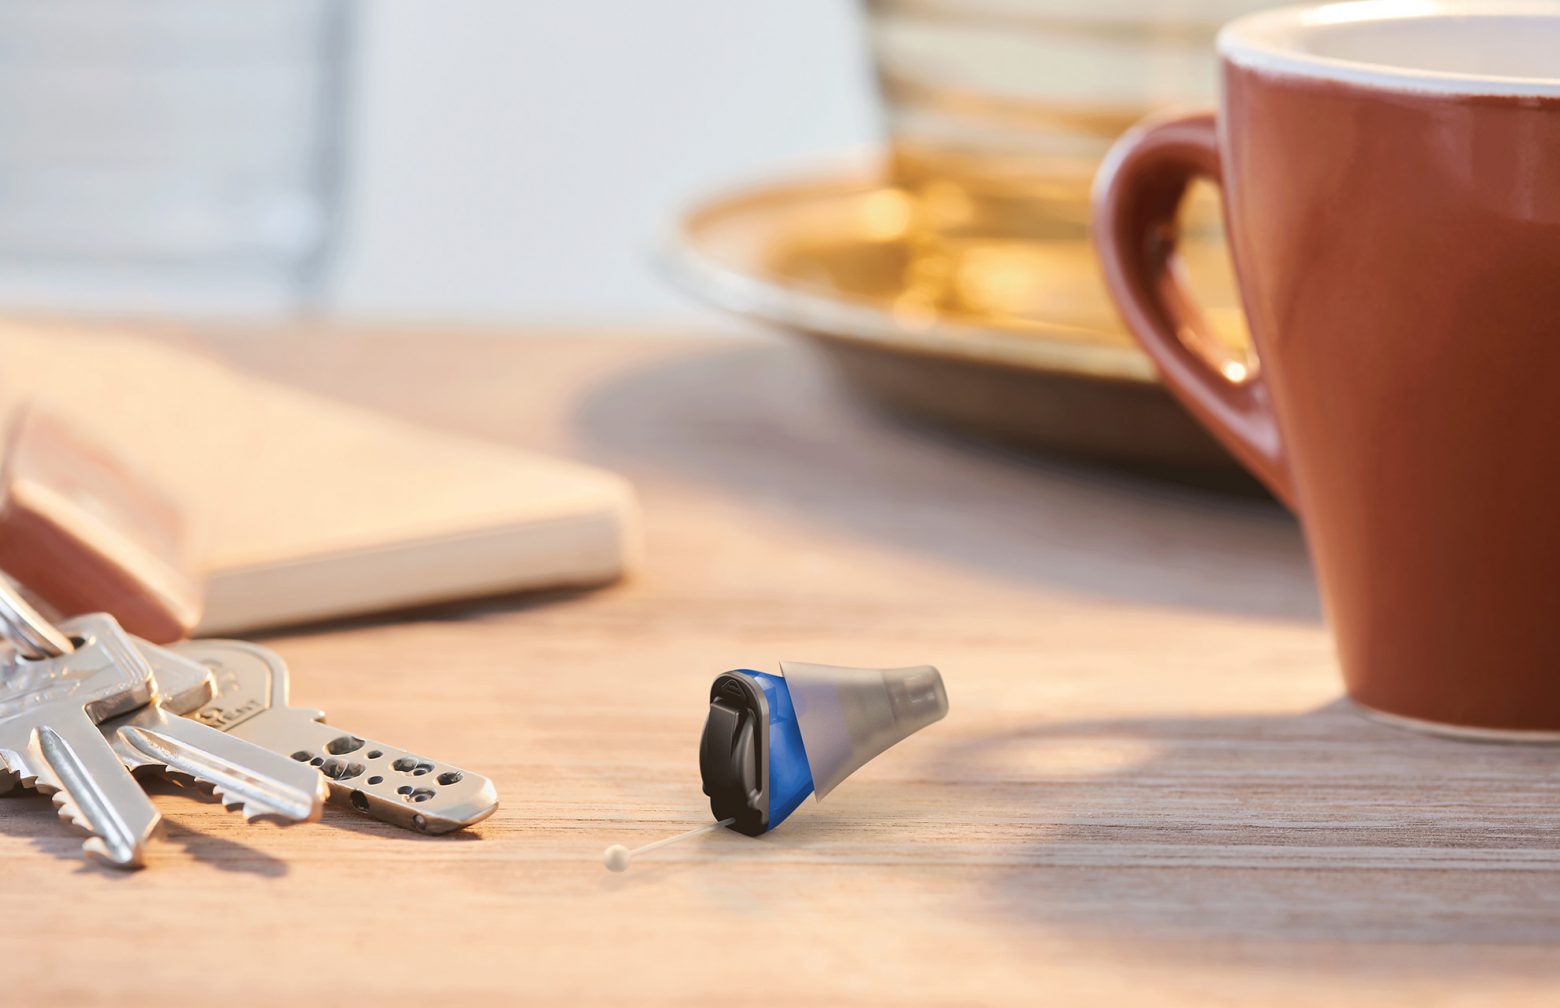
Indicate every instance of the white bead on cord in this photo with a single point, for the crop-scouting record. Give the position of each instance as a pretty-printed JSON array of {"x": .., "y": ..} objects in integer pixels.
[{"x": 617, "y": 856}]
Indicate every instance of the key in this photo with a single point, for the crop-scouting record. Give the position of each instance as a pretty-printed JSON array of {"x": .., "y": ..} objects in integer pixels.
[
  {"x": 49, "y": 740},
  {"x": 387, "y": 783},
  {"x": 257, "y": 782}
]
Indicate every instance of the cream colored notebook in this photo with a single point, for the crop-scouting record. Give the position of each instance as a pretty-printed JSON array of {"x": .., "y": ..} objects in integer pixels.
[{"x": 304, "y": 509}]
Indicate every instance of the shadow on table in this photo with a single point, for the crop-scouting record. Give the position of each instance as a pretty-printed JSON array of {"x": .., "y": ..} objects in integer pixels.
[
  {"x": 1280, "y": 830},
  {"x": 765, "y": 424},
  {"x": 33, "y": 814},
  {"x": 30, "y": 814}
]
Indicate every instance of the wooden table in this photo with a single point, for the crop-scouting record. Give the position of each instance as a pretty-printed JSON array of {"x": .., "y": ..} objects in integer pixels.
[{"x": 1147, "y": 790}]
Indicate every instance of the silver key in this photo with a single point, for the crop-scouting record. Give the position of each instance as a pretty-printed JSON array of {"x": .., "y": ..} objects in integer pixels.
[
  {"x": 49, "y": 740},
  {"x": 257, "y": 782},
  {"x": 387, "y": 783}
]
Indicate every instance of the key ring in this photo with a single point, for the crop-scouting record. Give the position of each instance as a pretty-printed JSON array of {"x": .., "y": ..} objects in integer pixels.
[{"x": 33, "y": 636}]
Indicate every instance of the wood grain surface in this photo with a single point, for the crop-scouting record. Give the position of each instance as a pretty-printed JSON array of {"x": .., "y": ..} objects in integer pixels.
[{"x": 1147, "y": 791}]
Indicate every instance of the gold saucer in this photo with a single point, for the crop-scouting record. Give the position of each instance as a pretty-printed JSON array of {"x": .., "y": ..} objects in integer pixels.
[{"x": 822, "y": 257}]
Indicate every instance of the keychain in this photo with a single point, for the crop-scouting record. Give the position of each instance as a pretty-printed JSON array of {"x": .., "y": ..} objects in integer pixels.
[{"x": 83, "y": 703}]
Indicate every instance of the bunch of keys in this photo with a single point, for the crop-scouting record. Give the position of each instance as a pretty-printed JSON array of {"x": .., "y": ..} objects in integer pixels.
[{"x": 85, "y": 705}]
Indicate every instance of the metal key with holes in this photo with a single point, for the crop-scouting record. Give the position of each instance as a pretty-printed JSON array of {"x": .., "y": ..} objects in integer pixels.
[
  {"x": 49, "y": 739},
  {"x": 259, "y": 783},
  {"x": 387, "y": 783}
]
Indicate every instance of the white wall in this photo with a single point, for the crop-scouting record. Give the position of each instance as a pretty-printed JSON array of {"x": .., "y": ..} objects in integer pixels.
[{"x": 513, "y": 161}]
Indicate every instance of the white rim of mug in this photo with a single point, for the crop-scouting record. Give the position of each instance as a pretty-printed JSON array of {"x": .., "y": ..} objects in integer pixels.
[{"x": 1264, "y": 42}]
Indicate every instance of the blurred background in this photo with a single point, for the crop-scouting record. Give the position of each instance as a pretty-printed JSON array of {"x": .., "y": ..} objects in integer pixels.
[
  {"x": 460, "y": 161},
  {"x": 903, "y": 183}
]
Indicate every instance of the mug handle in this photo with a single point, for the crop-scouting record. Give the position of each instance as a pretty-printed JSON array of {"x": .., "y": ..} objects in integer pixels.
[{"x": 1136, "y": 197}]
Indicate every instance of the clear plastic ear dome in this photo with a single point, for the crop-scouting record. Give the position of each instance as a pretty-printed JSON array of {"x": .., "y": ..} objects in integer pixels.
[{"x": 849, "y": 715}]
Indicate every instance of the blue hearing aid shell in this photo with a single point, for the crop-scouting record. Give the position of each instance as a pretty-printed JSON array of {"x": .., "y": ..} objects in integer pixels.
[
  {"x": 770, "y": 741},
  {"x": 751, "y": 756}
]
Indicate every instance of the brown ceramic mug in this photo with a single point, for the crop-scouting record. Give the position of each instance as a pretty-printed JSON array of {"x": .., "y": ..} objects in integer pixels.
[{"x": 1391, "y": 181}]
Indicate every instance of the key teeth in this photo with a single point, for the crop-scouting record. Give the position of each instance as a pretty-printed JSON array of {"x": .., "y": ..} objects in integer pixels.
[
  {"x": 143, "y": 768},
  {"x": 179, "y": 777},
  {"x": 176, "y": 756},
  {"x": 71, "y": 815},
  {"x": 184, "y": 779},
  {"x": 231, "y": 803},
  {"x": 254, "y": 812},
  {"x": 94, "y": 847},
  {"x": 239, "y": 805}
]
